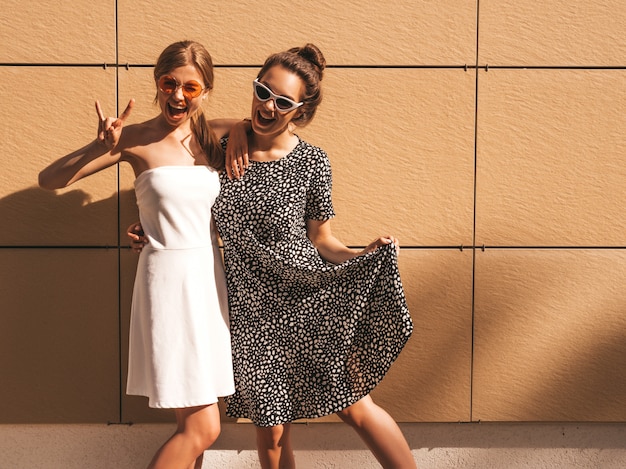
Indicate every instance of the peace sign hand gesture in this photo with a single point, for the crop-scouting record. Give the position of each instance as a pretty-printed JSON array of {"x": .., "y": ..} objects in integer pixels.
[{"x": 110, "y": 128}]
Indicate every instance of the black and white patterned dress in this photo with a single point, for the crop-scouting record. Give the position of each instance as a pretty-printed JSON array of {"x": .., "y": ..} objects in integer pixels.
[{"x": 309, "y": 338}]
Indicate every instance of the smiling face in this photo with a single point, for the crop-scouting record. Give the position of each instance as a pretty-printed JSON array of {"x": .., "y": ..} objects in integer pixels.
[
  {"x": 177, "y": 108},
  {"x": 266, "y": 119}
]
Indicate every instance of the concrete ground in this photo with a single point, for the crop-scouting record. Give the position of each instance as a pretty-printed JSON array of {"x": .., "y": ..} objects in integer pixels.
[{"x": 324, "y": 446}]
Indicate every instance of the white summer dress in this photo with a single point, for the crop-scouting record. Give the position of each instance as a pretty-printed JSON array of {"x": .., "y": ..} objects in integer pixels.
[{"x": 179, "y": 344}]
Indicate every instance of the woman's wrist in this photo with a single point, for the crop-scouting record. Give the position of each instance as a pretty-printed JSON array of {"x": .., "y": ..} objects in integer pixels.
[{"x": 247, "y": 123}]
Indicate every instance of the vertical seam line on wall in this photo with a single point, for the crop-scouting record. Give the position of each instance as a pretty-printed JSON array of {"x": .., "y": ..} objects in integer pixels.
[
  {"x": 473, "y": 306},
  {"x": 119, "y": 251}
]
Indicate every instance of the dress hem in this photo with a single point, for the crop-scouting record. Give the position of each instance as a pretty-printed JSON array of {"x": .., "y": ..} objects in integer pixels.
[
  {"x": 181, "y": 405},
  {"x": 305, "y": 416}
]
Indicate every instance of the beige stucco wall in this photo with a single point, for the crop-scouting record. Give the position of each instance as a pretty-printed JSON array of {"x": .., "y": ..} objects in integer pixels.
[{"x": 488, "y": 136}]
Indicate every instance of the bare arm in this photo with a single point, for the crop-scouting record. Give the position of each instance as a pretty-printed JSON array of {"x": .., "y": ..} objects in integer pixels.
[
  {"x": 93, "y": 157},
  {"x": 90, "y": 159},
  {"x": 333, "y": 250},
  {"x": 237, "y": 148},
  {"x": 222, "y": 127},
  {"x": 329, "y": 247}
]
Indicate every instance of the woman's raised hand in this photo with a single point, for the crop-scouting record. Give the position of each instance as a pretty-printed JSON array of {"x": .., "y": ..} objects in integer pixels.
[{"x": 110, "y": 128}]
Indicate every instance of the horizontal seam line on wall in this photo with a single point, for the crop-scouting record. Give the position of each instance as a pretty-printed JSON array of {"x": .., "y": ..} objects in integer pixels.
[
  {"x": 65, "y": 247},
  {"x": 416, "y": 247},
  {"x": 466, "y": 67}
]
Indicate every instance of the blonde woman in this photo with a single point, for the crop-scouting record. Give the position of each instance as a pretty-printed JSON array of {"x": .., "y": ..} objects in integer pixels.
[{"x": 180, "y": 354}]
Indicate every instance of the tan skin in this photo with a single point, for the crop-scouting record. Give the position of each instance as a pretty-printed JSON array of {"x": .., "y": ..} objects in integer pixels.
[
  {"x": 271, "y": 139},
  {"x": 161, "y": 141},
  {"x": 165, "y": 140}
]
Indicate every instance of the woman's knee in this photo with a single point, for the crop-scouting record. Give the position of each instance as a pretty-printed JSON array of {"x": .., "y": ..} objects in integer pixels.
[
  {"x": 211, "y": 430},
  {"x": 354, "y": 414},
  {"x": 202, "y": 426},
  {"x": 273, "y": 437},
  {"x": 347, "y": 416},
  {"x": 209, "y": 435}
]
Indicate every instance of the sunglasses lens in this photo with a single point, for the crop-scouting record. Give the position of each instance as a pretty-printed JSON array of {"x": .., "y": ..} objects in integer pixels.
[
  {"x": 167, "y": 84},
  {"x": 283, "y": 104},
  {"x": 192, "y": 89},
  {"x": 261, "y": 92}
]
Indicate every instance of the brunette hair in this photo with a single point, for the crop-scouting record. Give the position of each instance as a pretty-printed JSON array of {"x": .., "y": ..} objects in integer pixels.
[
  {"x": 308, "y": 63},
  {"x": 193, "y": 53}
]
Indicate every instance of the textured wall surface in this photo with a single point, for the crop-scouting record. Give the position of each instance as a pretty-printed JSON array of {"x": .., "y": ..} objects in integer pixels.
[{"x": 488, "y": 136}]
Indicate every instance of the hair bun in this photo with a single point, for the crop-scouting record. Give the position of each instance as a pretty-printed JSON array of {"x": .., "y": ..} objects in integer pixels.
[{"x": 311, "y": 53}]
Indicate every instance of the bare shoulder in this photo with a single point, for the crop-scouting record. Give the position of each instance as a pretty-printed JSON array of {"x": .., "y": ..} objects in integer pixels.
[
  {"x": 138, "y": 141},
  {"x": 138, "y": 135},
  {"x": 222, "y": 127}
]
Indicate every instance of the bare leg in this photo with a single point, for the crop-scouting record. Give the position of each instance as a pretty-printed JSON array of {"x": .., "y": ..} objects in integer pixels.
[
  {"x": 197, "y": 464},
  {"x": 198, "y": 428},
  {"x": 380, "y": 433},
  {"x": 274, "y": 447}
]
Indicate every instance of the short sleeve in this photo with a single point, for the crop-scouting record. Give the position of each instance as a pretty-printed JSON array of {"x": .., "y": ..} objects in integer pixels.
[{"x": 319, "y": 205}]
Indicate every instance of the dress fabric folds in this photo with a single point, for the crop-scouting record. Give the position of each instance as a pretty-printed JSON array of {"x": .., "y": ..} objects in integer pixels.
[
  {"x": 309, "y": 338},
  {"x": 179, "y": 343}
]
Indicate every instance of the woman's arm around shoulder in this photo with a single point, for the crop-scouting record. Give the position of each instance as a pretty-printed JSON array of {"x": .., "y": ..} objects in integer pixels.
[{"x": 237, "y": 148}]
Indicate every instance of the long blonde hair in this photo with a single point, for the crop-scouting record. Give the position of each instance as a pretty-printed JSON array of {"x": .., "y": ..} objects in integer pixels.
[{"x": 193, "y": 53}]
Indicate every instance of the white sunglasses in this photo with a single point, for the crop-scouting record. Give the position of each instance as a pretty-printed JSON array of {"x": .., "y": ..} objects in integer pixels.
[{"x": 282, "y": 104}]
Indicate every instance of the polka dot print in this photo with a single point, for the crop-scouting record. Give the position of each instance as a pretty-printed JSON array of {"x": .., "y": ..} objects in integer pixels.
[{"x": 309, "y": 338}]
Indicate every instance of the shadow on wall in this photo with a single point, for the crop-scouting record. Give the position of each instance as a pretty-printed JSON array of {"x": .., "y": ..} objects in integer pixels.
[
  {"x": 550, "y": 345},
  {"x": 59, "y": 298},
  {"x": 578, "y": 386},
  {"x": 430, "y": 382},
  {"x": 36, "y": 217}
]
